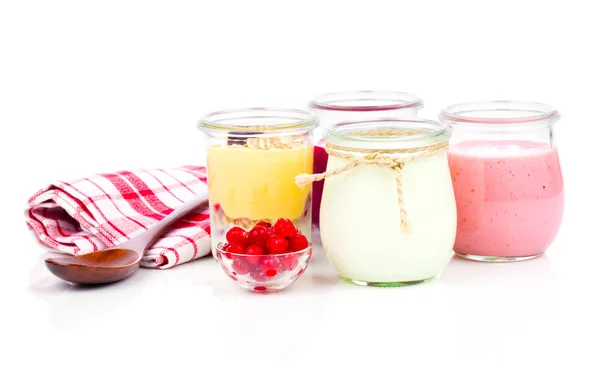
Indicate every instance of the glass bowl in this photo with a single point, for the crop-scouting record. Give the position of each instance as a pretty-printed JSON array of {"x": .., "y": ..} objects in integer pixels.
[{"x": 267, "y": 273}]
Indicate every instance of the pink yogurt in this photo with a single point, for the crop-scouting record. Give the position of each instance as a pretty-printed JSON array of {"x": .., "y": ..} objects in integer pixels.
[{"x": 509, "y": 197}]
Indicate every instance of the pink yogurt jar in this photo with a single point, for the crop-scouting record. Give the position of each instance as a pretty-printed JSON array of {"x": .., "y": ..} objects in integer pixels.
[
  {"x": 507, "y": 179},
  {"x": 336, "y": 107}
]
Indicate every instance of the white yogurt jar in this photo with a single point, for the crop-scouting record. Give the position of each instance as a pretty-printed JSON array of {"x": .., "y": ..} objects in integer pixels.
[{"x": 389, "y": 217}]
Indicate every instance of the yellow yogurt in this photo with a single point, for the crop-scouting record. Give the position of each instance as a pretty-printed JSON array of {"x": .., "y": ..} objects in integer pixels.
[{"x": 257, "y": 183}]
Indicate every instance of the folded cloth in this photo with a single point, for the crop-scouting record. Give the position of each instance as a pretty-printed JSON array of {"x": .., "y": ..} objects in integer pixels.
[{"x": 103, "y": 210}]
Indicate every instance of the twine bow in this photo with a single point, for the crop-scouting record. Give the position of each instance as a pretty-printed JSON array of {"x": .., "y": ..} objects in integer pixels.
[{"x": 392, "y": 159}]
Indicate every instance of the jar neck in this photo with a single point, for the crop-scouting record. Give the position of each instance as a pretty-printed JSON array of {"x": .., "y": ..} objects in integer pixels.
[
  {"x": 386, "y": 135},
  {"x": 539, "y": 133},
  {"x": 366, "y": 101},
  {"x": 258, "y": 123},
  {"x": 398, "y": 155},
  {"x": 490, "y": 129},
  {"x": 501, "y": 121}
]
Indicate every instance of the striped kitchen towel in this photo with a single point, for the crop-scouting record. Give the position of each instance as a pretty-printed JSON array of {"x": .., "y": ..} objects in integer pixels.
[{"x": 103, "y": 210}]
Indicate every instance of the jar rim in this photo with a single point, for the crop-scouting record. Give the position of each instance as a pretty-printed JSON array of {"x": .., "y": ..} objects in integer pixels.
[
  {"x": 498, "y": 112},
  {"x": 264, "y": 119},
  {"x": 365, "y": 101},
  {"x": 433, "y": 132}
]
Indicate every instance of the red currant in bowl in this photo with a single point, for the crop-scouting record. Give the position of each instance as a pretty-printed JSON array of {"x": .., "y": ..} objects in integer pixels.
[
  {"x": 237, "y": 235},
  {"x": 259, "y": 272},
  {"x": 284, "y": 227}
]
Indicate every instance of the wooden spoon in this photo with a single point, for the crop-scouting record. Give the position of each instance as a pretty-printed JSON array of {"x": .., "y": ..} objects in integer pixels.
[{"x": 118, "y": 262}]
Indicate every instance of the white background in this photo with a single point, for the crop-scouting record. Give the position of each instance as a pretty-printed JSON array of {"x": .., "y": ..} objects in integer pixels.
[{"x": 95, "y": 86}]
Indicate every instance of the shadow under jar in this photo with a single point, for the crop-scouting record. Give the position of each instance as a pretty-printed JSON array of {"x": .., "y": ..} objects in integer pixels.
[
  {"x": 253, "y": 156},
  {"x": 507, "y": 179},
  {"x": 336, "y": 107},
  {"x": 388, "y": 214}
]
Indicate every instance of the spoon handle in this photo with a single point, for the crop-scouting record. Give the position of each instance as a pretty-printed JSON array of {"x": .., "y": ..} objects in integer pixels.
[{"x": 144, "y": 240}]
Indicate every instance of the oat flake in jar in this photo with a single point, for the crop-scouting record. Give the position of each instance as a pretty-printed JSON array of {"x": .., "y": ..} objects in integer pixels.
[{"x": 388, "y": 214}]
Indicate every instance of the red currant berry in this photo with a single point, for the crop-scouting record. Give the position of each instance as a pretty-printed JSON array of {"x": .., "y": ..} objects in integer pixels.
[
  {"x": 277, "y": 244},
  {"x": 237, "y": 235},
  {"x": 258, "y": 235},
  {"x": 298, "y": 242},
  {"x": 284, "y": 227},
  {"x": 269, "y": 266},
  {"x": 240, "y": 266},
  {"x": 270, "y": 231},
  {"x": 233, "y": 248},
  {"x": 263, "y": 224},
  {"x": 255, "y": 252}
]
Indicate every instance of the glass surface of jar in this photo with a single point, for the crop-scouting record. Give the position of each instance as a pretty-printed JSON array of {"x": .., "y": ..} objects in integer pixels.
[
  {"x": 336, "y": 107},
  {"x": 507, "y": 178},
  {"x": 253, "y": 156},
  {"x": 389, "y": 220}
]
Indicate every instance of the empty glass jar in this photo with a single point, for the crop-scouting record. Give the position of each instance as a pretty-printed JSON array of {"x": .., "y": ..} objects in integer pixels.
[{"x": 336, "y": 107}]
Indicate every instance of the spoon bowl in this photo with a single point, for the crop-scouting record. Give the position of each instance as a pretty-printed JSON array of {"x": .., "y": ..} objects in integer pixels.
[
  {"x": 114, "y": 264},
  {"x": 107, "y": 266}
]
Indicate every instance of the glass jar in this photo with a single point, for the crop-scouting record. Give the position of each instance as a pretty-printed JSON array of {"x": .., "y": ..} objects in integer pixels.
[
  {"x": 338, "y": 107},
  {"x": 332, "y": 108},
  {"x": 388, "y": 217},
  {"x": 507, "y": 179},
  {"x": 253, "y": 156}
]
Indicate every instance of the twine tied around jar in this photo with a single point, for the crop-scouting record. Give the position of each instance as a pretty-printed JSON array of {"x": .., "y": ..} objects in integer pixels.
[{"x": 394, "y": 159}]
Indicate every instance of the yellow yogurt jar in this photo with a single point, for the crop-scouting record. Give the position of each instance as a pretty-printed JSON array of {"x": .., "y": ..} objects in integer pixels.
[{"x": 253, "y": 156}]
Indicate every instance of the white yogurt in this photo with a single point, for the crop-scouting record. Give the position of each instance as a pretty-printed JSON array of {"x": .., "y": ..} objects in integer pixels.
[{"x": 360, "y": 221}]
